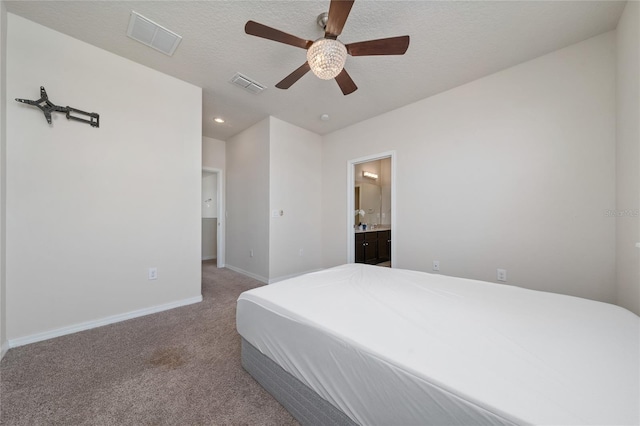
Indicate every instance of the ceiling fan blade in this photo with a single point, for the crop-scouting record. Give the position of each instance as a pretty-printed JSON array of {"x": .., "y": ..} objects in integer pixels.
[
  {"x": 293, "y": 77},
  {"x": 338, "y": 13},
  {"x": 346, "y": 83},
  {"x": 383, "y": 46},
  {"x": 260, "y": 30}
]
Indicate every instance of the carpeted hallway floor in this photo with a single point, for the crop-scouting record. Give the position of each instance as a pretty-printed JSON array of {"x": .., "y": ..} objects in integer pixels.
[{"x": 179, "y": 367}]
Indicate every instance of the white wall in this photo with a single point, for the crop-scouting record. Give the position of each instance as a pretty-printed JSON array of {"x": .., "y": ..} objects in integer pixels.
[
  {"x": 3, "y": 168},
  {"x": 273, "y": 165},
  {"x": 510, "y": 171},
  {"x": 213, "y": 153},
  {"x": 628, "y": 158},
  {"x": 89, "y": 210},
  {"x": 295, "y": 187},
  {"x": 247, "y": 205}
]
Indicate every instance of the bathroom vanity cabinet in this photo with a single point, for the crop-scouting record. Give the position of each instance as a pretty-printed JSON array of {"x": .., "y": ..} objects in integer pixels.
[{"x": 373, "y": 246}]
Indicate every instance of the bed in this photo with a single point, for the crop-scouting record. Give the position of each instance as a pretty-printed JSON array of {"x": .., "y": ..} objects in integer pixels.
[{"x": 359, "y": 344}]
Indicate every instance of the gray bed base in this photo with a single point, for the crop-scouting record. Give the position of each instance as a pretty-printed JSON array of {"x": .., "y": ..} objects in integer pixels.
[{"x": 302, "y": 402}]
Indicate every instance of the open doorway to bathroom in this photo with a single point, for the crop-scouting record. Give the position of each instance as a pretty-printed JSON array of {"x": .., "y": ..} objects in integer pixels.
[
  {"x": 371, "y": 208},
  {"x": 212, "y": 217}
]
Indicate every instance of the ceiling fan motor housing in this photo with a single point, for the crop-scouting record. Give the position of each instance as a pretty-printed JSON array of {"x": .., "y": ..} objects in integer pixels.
[{"x": 322, "y": 20}]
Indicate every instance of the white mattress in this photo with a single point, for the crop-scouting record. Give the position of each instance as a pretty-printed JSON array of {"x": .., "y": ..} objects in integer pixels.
[{"x": 389, "y": 346}]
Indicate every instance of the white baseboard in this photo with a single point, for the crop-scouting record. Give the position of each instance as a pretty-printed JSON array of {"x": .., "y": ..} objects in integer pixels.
[
  {"x": 286, "y": 277},
  {"x": 4, "y": 347},
  {"x": 209, "y": 257},
  {"x": 38, "y": 337},
  {"x": 267, "y": 280},
  {"x": 247, "y": 273}
]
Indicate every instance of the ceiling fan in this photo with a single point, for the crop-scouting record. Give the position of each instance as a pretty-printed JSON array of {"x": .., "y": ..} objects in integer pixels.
[{"x": 327, "y": 55}]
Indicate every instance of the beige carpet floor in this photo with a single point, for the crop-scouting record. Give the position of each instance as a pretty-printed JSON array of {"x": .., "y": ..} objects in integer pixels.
[{"x": 179, "y": 367}]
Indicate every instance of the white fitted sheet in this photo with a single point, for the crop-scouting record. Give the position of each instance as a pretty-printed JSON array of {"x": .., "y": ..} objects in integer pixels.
[{"x": 389, "y": 346}]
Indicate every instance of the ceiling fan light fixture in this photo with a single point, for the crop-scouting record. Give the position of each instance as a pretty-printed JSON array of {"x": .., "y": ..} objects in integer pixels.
[{"x": 326, "y": 58}]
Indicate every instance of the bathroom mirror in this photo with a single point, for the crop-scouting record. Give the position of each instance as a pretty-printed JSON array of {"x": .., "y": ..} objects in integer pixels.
[
  {"x": 372, "y": 196},
  {"x": 368, "y": 199}
]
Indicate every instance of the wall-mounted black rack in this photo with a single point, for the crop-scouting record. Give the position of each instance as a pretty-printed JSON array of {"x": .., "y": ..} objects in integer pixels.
[{"x": 47, "y": 107}]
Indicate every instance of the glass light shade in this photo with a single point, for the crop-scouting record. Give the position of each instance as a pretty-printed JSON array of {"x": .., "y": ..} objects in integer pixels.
[{"x": 326, "y": 58}]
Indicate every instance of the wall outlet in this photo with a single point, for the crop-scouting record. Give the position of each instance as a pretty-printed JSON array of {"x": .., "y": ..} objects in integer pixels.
[
  {"x": 251, "y": 253},
  {"x": 502, "y": 275},
  {"x": 436, "y": 265},
  {"x": 301, "y": 252},
  {"x": 153, "y": 273}
]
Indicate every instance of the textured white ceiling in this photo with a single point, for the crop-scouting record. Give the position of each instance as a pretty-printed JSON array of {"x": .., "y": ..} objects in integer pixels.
[{"x": 452, "y": 43}]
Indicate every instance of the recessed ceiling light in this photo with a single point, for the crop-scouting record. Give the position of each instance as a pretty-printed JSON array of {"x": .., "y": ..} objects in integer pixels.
[
  {"x": 324, "y": 117},
  {"x": 218, "y": 120}
]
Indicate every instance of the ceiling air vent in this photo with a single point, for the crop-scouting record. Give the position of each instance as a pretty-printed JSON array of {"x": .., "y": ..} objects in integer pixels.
[
  {"x": 153, "y": 35},
  {"x": 247, "y": 84}
]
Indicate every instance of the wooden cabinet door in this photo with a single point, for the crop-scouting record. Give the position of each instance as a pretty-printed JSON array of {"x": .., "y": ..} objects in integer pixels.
[
  {"x": 359, "y": 247},
  {"x": 371, "y": 247},
  {"x": 384, "y": 246}
]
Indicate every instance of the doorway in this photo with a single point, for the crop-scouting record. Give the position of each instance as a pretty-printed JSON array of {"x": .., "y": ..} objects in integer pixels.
[
  {"x": 371, "y": 201},
  {"x": 212, "y": 206}
]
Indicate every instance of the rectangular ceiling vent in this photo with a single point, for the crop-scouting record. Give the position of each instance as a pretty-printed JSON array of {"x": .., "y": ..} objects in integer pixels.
[
  {"x": 153, "y": 35},
  {"x": 247, "y": 84}
]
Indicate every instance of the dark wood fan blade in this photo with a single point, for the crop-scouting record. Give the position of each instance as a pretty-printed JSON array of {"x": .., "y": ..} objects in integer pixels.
[
  {"x": 260, "y": 30},
  {"x": 346, "y": 84},
  {"x": 294, "y": 76},
  {"x": 338, "y": 13},
  {"x": 383, "y": 46}
]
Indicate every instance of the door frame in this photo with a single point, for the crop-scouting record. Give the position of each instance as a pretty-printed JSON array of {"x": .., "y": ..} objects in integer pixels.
[
  {"x": 220, "y": 235},
  {"x": 351, "y": 183}
]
